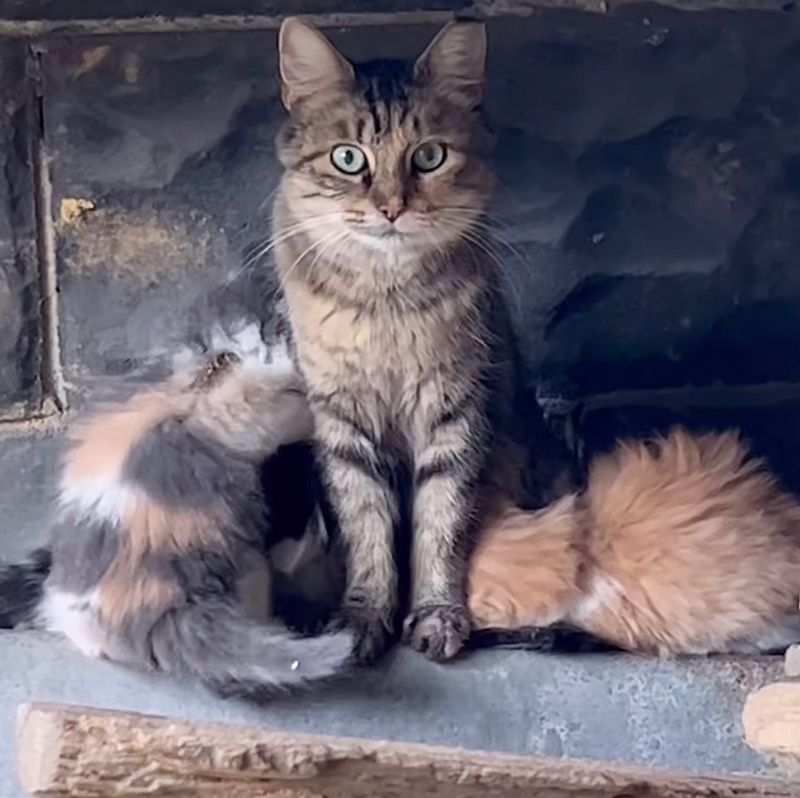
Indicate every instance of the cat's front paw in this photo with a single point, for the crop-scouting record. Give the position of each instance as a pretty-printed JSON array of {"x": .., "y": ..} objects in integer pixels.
[
  {"x": 371, "y": 635},
  {"x": 437, "y": 630}
]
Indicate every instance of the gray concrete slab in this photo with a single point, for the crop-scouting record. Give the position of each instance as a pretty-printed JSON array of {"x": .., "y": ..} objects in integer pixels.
[
  {"x": 678, "y": 715},
  {"x": 29, "y": 466}
]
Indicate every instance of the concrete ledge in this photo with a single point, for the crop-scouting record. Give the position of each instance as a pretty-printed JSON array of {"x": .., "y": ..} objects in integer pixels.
[
  {"x": 38, "y": 18},
  {"x": 679, "y": 716}
]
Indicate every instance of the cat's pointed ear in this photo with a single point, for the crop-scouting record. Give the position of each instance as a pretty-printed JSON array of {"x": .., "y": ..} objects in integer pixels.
[
  {"x": 309, "y": 63},
  {"x": 455, "y": 62}
]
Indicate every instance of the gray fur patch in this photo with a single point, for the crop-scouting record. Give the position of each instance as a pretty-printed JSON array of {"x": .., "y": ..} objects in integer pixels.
[
  {"x": 213, "y": 641},
  {"x": 206, "y": 574},
  {"x": 182, "y": 467},
  {"x": 82, "y": 553}
]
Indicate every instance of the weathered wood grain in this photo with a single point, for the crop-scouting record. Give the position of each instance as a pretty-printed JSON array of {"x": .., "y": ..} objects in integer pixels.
[
  {"x": 88, "y": 753},
  {"x": 771, "y": 720}
]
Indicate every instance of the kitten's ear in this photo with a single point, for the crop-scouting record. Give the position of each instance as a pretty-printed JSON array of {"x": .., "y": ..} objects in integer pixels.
[
  {"x": 309, "y": 63},
  {"x": 455, "y": 62}
]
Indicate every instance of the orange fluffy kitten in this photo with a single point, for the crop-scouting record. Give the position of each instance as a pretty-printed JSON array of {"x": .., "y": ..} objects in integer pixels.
[{"x": 682, "y": 545}]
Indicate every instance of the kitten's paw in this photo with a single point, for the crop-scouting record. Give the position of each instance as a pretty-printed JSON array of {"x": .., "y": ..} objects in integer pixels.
[
  {"x": 371, "y": 636},
  {"x": 437, "y": 630}
]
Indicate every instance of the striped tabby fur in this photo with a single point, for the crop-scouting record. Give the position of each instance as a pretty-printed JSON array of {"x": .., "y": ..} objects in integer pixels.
[{"x": 392, "y": 292}]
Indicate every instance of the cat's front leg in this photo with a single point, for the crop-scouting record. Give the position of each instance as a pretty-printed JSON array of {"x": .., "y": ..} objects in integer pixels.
[
  {"x": 446, "y": 474},
  {"x": 360, "y": 485}
]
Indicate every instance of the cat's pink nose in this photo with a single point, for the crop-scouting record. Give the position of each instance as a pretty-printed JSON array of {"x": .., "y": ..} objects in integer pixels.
[{"x": 392, "y": 208}]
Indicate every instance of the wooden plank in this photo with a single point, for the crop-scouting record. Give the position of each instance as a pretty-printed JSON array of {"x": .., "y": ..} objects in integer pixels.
[
  {"x": 771, "y": 720},
  {"x": 38, "y": 18},
  {"x": 88, "y": 753}
]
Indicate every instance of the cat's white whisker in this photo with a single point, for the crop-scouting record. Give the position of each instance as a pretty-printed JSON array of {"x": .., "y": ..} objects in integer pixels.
[{"x": 305, "y": 225}]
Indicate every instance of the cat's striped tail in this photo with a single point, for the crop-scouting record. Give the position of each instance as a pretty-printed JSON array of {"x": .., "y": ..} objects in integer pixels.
[{"x": 21, "y": 588}]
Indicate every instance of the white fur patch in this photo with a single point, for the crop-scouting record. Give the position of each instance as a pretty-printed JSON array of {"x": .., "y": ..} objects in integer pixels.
[
  {"x": 280, "y": 362},
  {"x": 602, "y": 594},
  {"x": 243, "y": 340},
  {"x": 75, "y": 616},
  {"x": 184, "y": 358},
  {"x": 105, "y": 498}
]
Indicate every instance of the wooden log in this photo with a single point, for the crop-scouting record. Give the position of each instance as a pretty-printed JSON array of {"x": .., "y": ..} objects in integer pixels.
[
  {"x": 88, "y": 753},
  {"x": 791, "y": 661},
  {"x": 771, "y": 720}
]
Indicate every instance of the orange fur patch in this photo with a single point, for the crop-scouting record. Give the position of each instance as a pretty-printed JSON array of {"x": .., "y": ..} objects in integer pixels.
[
  {"x": 701, "y": 542},
  {"x": 128, "y": 590},
  {"x": 103, "y": 441},
  {"x": 152, "y": 527},
  {"x": 524, "y": 571},
  {"x": 683, "y": 545},
  {"x": 130, "y": 585}
]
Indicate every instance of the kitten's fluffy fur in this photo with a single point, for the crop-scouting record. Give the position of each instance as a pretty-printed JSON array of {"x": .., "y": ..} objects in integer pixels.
[
  {"x": 684, "y": 545},
  {"x": 392, "y": 291},
  {"x": 158, "y": 553}
]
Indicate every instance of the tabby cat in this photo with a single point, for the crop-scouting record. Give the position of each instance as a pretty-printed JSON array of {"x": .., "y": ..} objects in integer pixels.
[
  {"x": 682, "y": 545},
  {"x": 159, "y": 549},
  {"x": 392, "y": 292}
]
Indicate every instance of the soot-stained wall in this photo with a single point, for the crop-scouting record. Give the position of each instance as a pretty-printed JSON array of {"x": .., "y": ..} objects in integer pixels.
[
  {"x": 648, "y": 207},
  {"x": 20, "y": 341}
]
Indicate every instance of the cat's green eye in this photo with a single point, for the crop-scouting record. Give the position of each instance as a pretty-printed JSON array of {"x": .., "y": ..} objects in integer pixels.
[
  {"x": 349, "y": 159},
  {"x": 429, "y": 156}
]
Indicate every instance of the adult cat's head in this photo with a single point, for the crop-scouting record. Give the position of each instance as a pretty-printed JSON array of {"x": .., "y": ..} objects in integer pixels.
[{"x": 387, "y": 155}]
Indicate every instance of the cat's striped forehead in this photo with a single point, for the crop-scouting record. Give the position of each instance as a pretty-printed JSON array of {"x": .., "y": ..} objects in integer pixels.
[{"x": 385, "y": 96}]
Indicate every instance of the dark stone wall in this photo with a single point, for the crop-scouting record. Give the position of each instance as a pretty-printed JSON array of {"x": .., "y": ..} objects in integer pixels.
[
  {"x": 168, "y": 144},
  {"x": 648, "y": 206},
  {"x": 648, "y": 201}
]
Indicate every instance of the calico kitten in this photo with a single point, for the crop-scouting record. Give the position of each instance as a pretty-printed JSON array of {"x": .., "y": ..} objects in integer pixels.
[
  {"x": 684, "y": 545},
  {"x": 392, "y": 292},
  {"x": 160, "y": 545}
]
